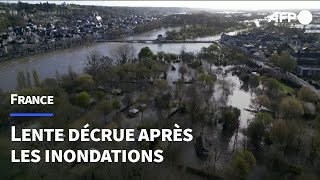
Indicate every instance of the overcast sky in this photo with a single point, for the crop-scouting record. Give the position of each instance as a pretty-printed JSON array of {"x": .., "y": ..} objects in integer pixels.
[{"x": 251, "y": 5}]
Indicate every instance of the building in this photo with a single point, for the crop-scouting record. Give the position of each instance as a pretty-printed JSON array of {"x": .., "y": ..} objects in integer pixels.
[
  {"x": 308, "y": 64},
  {"x": 227, "y": 40},
  {"x": 248, "y": 48},
  {"x": 307, "y": 58},
  {"x": 160, "y": 38},
  {"x": 308, "y": 71},
  {"x": 133, "y": 112},
  {"x": 260, "y": 56}
]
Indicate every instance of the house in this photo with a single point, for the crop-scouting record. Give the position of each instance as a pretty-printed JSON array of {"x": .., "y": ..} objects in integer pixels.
[
  {"x": 117, "y": 92},
  {"x": 308, "y": 71},
  {"x": 19, "y": 40},
  {"x": 160, "y": 38},
  {"x": 8, "y": 38},
  {"x": 307, "y": 58},
  {"x": 248, "y": 48},
  {"x": 93, "y": 101},
  {"x": 133, "y": 112},
  {"x": 32, "y": 38},
  {"x": 97, "y": 18},
  {"x": 260, "y": 55}
]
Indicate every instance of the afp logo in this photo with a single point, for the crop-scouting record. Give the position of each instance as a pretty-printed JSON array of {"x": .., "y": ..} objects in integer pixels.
[{"x": 304, "y": 17}]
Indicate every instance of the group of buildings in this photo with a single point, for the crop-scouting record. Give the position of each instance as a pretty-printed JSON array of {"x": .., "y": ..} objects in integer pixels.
[
  {"x": 56, "y": 32},
  {"x": 303, "y": 48}
]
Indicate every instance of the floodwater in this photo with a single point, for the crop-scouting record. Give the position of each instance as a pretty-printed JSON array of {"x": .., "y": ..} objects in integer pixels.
[{"x": 47, "y": 64}]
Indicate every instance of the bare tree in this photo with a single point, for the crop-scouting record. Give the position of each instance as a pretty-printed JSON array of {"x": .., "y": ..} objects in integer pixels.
[
  {"x": 226, "y": 87},
  {"x": 123, "y": 54},
  {"x": 183, "y": 70},
  {"x": 215, "y": 152},
  {"x": 96, "y": 63}
]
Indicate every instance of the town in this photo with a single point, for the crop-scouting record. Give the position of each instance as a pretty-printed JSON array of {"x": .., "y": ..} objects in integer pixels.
[
  {"x": 304, "y": 49},
  {"x": 246, "y": 89},
  {"x": 45, "y": 27}
]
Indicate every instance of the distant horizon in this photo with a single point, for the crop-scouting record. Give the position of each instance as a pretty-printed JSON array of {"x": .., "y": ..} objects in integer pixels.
[{"x": 213, "y": 5}]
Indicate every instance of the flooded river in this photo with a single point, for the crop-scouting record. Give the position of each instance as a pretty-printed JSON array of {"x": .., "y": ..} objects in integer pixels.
[{"x": 47, "y": 64}]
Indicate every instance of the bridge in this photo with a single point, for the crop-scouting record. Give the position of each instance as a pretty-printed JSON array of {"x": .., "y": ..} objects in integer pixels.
[{"x": 157, "y": 41}]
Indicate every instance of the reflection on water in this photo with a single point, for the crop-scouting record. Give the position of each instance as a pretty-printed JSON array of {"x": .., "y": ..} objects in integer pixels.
[{"x": 239, "y": 97}]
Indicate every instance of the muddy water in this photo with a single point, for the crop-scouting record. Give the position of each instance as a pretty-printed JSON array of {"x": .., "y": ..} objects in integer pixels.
[{"x": 47, "y": 64}]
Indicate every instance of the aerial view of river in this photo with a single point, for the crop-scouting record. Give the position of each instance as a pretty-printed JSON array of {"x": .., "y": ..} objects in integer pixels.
[{"x": 47, "y": 64}]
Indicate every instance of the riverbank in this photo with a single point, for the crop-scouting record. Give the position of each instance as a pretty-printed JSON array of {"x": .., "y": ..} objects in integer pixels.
[
  {"x": 47, "y": 64},
  {"x": 191, "y": 32},
  {"x": 28, "y": 50}
]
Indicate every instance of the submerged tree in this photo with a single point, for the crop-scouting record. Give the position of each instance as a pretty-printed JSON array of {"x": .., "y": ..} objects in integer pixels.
[
  {"x": 97, "y": 64},
  {"x": 71, "y": 74},
  {"x": 256, "y": 130},
  {"x": 105, "y": 107},
  {"x": 241, "y": 165},
  {"x": 282, "y": 135},
  {"x": 28, "y": 79},
  {"x": 142, "y": 108},
  {"x": 123, "y": 54},
  {"x": 84, "y": 82},
  {"x": 291, "y": 108},
  {"x": 83, "y": 100},
  {"x": 314, "y": 148},
  {"x": 127, "y": 99},
  {"x": 226, "y": 88},
  {"x": 116, "y": 104},
  {"x": 230, "y": 120},
  {"x": 145, "y": 53},
  {"x": 21, "y": 80},
  {"x": 36, "y": 79},
  {"x": 261, "y": 101},
  {"x": 183, "y": 70}
]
